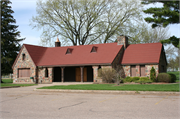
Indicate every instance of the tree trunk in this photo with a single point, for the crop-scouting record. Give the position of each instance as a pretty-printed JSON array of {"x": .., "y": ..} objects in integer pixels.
[{"x": 1, "y": 80}]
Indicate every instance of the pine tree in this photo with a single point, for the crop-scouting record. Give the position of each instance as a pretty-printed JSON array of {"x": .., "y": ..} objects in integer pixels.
[
  {"x": 9, "y": 42},
  {"x": 153, "y": 74},
  {"x": 168, "y": 14}
]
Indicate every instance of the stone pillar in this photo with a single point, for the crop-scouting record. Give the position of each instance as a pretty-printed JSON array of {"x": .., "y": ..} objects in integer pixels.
[
  {"x": 95, "y": 72},
  {"x": 36, "y": 75},
  {"x": 62, "y": 74},
  {"x": 82, "y": 73},
  {"x": 137, "y": 70}
]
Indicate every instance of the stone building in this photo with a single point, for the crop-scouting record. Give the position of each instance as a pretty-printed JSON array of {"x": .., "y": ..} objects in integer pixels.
[{"x": 36, "y": 64}]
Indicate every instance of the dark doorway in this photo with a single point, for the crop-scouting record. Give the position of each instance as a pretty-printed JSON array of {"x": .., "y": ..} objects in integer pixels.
[
  {"x": 57, "y": 74},
  {"x": 89, "y": 74},
  {"x": 69, "y": 74}
]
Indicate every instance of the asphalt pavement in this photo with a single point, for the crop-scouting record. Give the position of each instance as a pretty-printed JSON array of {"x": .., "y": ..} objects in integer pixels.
[{"x": 25, "y": 103}]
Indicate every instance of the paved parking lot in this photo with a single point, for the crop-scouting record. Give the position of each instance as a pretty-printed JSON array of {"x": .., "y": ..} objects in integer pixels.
[{"x": 24, "y": 103}]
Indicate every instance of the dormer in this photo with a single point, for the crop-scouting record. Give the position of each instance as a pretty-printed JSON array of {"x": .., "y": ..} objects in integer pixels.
[
  {"x": 94, "y": 49},
  {"x": 69, "y": 51}
]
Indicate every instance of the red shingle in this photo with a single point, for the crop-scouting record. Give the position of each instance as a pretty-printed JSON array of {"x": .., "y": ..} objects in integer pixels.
[
  {"x": 80, "y": 55},
  {"x": 36, "y": 52},
  {"x": 142, "y": 53}
]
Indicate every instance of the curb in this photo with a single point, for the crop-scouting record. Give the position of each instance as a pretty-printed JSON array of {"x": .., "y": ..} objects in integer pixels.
[{"x": 109, "y": 92}]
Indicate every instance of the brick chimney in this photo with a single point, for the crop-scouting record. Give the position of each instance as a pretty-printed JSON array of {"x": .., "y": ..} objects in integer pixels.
[
  {"x": 57, "y": 43},
  {"x": 122, "y": 40}
]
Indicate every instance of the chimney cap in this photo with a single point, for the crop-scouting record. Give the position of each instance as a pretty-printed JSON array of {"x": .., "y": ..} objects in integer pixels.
[{"x": 57, "y": 40}]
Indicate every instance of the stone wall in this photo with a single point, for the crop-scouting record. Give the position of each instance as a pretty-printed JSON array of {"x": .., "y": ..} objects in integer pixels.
[
  {"x": 148, "y": 69},
  {"x": 95, "y": 73},
  {"x": 27, "y": 63},
  {"x": 127, "y": 70},
  {"x": 118, "y": 58},
  {"x": 41, "y": 75}
]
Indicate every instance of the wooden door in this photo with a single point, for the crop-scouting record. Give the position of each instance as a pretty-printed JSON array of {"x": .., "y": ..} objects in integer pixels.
[
  {"x": 142, "y": 70},
  {"x": 133, "y": 70},
  {"x": 78, "y": 75}
]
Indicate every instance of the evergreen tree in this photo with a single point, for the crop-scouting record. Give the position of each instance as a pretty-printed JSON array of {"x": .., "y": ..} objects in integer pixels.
[
  {"x": 9, "y": 41},
  {"x": 168, "y": 14},
  {"x": 153, "y": 74}
]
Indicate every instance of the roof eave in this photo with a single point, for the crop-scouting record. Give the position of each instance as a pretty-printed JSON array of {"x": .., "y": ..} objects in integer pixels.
[
  {"x": 156, "y": 63},
  {"x": 70, "y": 65}
]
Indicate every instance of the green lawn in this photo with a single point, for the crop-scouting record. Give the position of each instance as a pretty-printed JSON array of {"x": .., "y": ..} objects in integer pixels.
[
  {"x": 9, "y": 83},
  {"x": 177, "y": 75},
  {"x": 7, "y": 80},
  {"x": 123, "y": 87}
]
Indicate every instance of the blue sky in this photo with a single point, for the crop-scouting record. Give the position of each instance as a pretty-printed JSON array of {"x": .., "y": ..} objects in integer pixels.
[{"x": 25, "y": 9}]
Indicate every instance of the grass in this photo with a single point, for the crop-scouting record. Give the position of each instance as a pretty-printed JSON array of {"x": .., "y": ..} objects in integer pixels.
[
  {"x": 9, "y": 83},
  {"x": 7, "y": 80},
  {"x": 122, "y": 87},
  {"x": 177, "y": 75}
]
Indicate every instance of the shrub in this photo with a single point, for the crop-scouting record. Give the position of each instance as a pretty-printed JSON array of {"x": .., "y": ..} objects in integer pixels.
[
  {"x": 173, "y": 77},
  {"x": 127, "y": 79},
  {"x": 164, "y": 77},
  {"x": 108, "y": 75},
  {"x": 153, "y": 74},
  {"x": 134, "y": 79},
  {"x": 143, "y": 80}
]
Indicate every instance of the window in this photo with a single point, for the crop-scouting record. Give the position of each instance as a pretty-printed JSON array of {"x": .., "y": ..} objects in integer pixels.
[
  {"x": 94, "y": 49},
  {"x": 24, "y": 72},
  {"x": 142, "y": 70},
  {"x": 133, "y": 70},
  {"x": 69, "y": 51},
  {"x": 46, "y": 72},
  {"x": 23, "y": 56}
]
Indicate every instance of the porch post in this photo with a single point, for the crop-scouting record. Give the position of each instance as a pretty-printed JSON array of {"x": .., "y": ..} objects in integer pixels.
[
  {"x": 62, "y": 74},
  {"x": 82, "y": 74}
]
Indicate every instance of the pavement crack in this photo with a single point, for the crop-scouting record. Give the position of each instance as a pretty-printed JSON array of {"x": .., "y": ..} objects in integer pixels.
[
  {"x": 4, "y": 112},
  {"x": 15, "y": 98},
  {"x": 71, "y": 105}
]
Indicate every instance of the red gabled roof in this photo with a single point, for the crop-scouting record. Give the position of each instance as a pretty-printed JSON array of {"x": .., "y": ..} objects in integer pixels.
[
  {"x": 80, "y": 55},
  {"x": 142, "y": 53},
  {"x": 36, "y": 52}
]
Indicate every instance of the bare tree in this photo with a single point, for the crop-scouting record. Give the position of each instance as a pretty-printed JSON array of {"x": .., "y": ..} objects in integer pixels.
[
  {"x": 143, "y": 33},
  {"x": 82, "y": 22}
]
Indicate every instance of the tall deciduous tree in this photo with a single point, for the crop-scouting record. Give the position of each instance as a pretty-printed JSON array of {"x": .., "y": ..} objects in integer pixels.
[
  {"x": 143, "y": 33},
  {"x": 168, "y": 14},
  {"x": 84, "y": 21},
  {"x": 9, "y": 41}
]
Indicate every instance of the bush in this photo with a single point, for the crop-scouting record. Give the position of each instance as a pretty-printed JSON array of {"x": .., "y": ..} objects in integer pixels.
[
  {"x": 164, "y": 77},
  {"x": 127, "y": 79},
  {"x": 108, "y": 75},
  {"x": 153, "y": 74},
  {"x": 173, "y": 77},
  {"x": 143, "y": 80},
  {"x": 134, "y": 79},
  {"x": 130, "y": 79}
]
